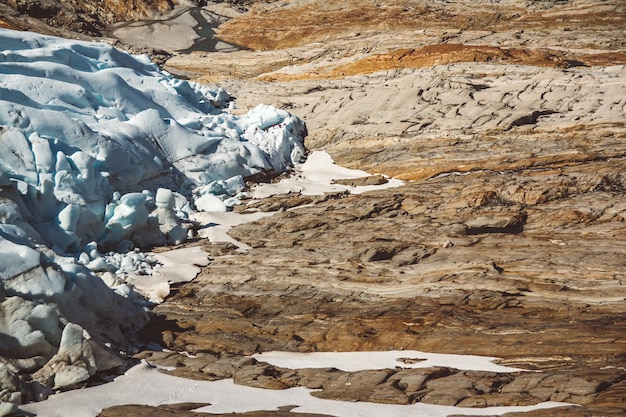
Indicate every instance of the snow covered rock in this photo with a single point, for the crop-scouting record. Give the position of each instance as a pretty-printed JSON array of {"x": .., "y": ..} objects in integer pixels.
[
  {"x": 169, "y": 224},
  {"x": 7, "y": 408}
]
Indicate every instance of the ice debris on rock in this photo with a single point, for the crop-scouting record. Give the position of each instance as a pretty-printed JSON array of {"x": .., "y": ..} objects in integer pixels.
[{"x": 103, "y": 152}]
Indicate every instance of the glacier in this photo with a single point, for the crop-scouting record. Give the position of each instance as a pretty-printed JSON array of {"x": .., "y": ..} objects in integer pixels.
[{"x": 102, "y": 153}]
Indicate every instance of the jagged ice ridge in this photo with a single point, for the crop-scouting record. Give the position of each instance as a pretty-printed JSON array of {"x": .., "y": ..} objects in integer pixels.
[{"x": 103, "y": 151}]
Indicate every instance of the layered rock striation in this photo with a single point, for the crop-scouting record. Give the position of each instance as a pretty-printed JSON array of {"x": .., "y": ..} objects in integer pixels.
[{"x": 507, "y": 122}]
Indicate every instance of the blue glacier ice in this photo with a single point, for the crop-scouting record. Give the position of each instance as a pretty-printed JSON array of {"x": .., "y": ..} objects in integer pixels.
[
  {"x": 80, "y": 121},
  {"x": 102, "y": 152}
]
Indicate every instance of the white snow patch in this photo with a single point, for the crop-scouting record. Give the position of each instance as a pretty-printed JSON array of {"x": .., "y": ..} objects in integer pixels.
[
  {"x": 361, "y": 361},
  {"x": 217, "y": 224},
  {"x": 175, "y": 266},
  {"x": 315, "y": 176},
  {"x": 144, "y": 384},
  {"x": 181, "y": 265}
]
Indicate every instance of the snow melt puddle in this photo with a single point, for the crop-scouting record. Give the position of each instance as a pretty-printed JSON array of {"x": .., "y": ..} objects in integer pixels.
[{"x": 144, "y": 384}]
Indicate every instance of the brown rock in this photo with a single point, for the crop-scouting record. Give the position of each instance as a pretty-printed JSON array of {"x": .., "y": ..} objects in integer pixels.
[
  {"x": 614, "y": 396},
  {"x": 528, "y": 301},
  {"x": 371, "y": 180},
  {"x": 70, "y": 17},
  {"x": 507, "y": 122},
  {"x": 356, "y": 386},
  {"x": 184, "y": 410},
  {"x": 569, "y": 412}
]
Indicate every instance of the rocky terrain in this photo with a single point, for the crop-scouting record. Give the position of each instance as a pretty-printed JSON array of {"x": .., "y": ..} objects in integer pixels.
[
  {"x": 76, "y": 17},
  {"x": 507, "y": 122}
]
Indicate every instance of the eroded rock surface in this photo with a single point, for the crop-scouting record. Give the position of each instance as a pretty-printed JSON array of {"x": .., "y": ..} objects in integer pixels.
[
  {"x": 418, "y": 123},
  {"x": 185, "y": 410},
  {"x": 507, "y": 120},
  {"x": 457, "y": 264},
  {"x": 67, "y": 16}
]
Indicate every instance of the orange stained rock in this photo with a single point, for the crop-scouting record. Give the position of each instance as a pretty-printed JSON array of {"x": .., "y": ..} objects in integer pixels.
[
  {"x": 443, "y": 54},
  {"x": 268, "y": 27},
  {"x": 263, "y": 29},
  {"x": 7, "y": 25}
]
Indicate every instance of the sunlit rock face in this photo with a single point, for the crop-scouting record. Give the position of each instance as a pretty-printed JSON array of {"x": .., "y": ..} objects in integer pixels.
[
  {"x": 89, "y": 18},
  {"x": 507, "y": 121}
]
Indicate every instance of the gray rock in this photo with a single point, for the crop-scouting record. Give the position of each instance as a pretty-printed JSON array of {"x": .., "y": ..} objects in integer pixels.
[
  {"x": 7, "y": 408},
  {"x": 78, "y": 358}
]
